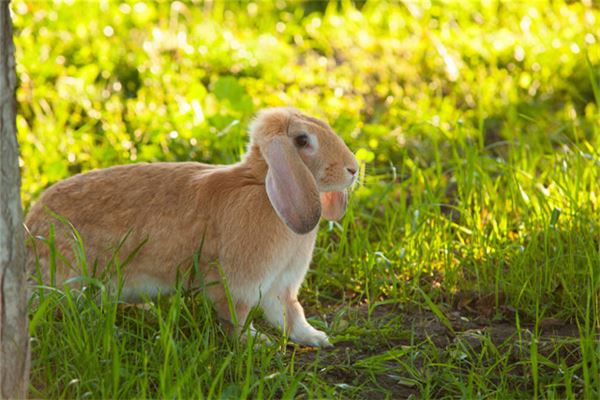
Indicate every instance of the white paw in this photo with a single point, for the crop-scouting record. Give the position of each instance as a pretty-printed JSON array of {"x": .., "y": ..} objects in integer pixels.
[
  {"x": 259, "y": 338},
  {"x": 312, "y": 337}
]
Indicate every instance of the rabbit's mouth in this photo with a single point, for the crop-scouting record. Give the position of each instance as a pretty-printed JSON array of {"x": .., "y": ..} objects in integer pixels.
[
  {"x": 337, "y": 187},
  {"x": 337, "y": 176}
]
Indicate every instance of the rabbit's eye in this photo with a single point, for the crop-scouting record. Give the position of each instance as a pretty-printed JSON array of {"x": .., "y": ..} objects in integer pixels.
[{"x": 301, "y": 141}]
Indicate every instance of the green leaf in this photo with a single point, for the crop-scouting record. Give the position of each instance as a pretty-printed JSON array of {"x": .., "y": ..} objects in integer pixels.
[
  {"x": 437, "y": 311},
  {"x": 229, "y": 90}
]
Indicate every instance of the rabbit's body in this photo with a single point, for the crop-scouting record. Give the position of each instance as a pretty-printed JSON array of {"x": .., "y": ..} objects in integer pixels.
[
  {"x": 225, "y": 215},
  {"x": 175, "y": 200}
]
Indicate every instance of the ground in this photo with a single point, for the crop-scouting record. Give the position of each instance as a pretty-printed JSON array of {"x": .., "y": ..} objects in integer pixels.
[{"x": 403, "y": 348}]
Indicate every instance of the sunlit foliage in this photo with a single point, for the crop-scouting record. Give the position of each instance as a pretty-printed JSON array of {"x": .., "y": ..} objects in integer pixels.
[{"x": 477, "y": 124}]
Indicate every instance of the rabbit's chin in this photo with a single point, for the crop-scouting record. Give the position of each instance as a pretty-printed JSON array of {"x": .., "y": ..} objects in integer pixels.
[{"x": 335, "y": 188}]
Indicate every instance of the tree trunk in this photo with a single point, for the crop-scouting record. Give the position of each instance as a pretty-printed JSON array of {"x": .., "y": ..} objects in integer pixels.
[{"x": 14, "y": 338}]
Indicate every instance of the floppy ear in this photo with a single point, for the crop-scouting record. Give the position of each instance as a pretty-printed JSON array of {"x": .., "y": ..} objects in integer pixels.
[
  {"x": 291, "y": 187},
  {"x": 334, "y": 205}
]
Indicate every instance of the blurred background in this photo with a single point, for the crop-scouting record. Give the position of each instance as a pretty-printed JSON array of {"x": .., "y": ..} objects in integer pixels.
[{"x": 106, "y": 82}]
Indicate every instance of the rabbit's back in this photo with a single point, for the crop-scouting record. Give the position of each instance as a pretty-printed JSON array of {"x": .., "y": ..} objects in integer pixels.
[{"x": 143, "y": 202}]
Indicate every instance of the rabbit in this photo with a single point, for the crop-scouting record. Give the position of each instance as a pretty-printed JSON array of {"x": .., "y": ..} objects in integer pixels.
[{"x": 254, "y": 222}]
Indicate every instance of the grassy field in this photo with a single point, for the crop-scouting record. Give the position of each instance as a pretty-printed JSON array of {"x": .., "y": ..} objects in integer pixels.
[{"x": 468, "y": 264}]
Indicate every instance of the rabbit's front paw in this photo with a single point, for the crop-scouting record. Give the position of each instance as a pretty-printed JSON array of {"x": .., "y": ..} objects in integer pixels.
[{"x": 312, "y": 337}]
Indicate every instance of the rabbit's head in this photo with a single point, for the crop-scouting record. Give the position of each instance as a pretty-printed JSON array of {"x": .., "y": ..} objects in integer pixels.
[{"x": 309, "y": 167}]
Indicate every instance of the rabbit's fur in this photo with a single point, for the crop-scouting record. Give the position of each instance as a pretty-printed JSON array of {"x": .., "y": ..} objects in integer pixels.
[{"x": 256, "y": 220}]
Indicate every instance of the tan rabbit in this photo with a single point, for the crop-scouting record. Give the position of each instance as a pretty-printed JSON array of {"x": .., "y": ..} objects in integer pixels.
[{"x": 255, "y": 221}]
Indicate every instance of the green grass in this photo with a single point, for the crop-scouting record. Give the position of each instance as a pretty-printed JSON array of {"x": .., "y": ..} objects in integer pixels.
[{"x": 468, "y": 264}]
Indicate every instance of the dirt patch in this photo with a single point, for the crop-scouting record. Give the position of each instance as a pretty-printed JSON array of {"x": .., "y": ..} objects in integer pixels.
[{"x": 378, "y": 359}]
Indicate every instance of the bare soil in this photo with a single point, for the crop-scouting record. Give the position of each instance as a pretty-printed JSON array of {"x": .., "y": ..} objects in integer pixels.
[{"x": 472, "y": 325}]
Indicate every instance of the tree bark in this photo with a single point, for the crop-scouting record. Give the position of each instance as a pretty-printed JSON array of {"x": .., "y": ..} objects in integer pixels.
[{"x": 14, "y": 338}]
